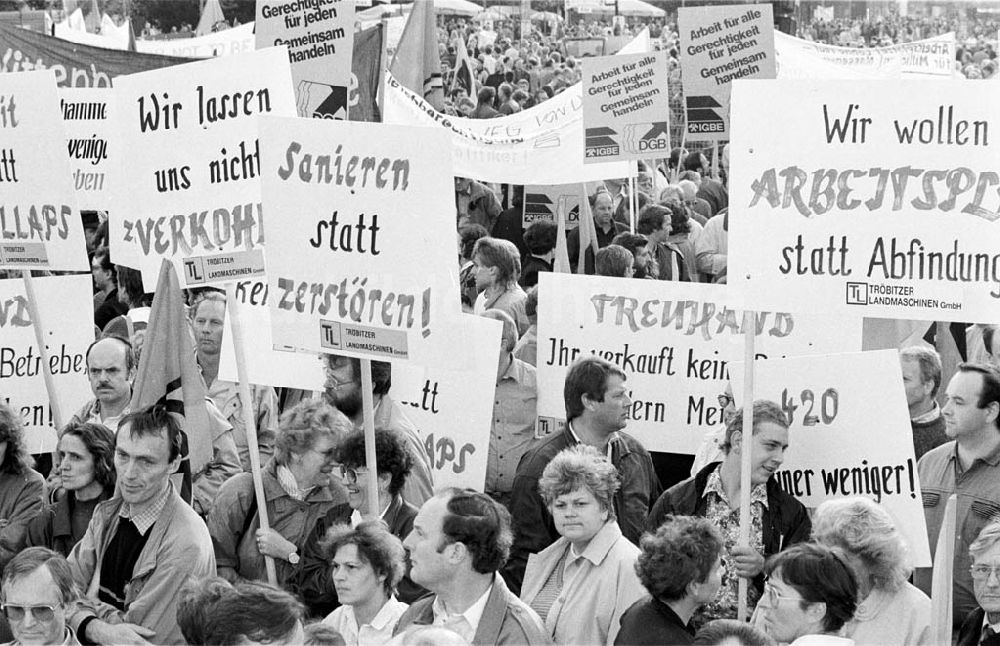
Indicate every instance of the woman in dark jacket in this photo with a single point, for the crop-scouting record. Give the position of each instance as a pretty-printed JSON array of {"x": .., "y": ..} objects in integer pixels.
[{"x": 22, "y": 489}]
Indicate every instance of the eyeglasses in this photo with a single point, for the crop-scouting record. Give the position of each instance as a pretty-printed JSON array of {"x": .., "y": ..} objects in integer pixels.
[
  {"x": 351, "y": 474},
  {"x": 725, "y": 400},
  {"x": 983, "y": 572},
  {"x": 16, "y": 613},
  {"x": 772, "y": 596}
]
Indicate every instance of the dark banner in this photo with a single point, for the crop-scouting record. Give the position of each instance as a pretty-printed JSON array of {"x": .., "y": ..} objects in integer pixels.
[{"x": 365, "y": 68}]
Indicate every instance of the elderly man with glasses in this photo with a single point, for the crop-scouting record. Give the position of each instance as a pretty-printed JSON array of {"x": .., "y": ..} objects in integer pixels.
[
  {"x": 982, "y": 625},
  {"x": 37, "y": 592}
]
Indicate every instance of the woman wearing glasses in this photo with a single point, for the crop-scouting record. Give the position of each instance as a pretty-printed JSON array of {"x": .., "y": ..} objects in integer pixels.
[
  {"x": 890, "y": 611},
  {"x": 298, "y": 489}
]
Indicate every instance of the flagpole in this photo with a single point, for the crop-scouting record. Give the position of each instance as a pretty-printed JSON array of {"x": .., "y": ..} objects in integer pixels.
[
  {"x": 746, "y": 444},
  {"x": 236, "y": 327},
  {"x": 382, "y": 64},
  {"x": 368, "y": 411},
  {"x": 941, "y": 578},
  {"x": 43, "y": 352}
]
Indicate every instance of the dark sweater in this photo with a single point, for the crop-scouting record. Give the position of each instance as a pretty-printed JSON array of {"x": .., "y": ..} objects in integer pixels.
[
  {"x": 928, "y": 435},
  {"x": 650, "y": 622},
  {"x": 119, "y": 562}
]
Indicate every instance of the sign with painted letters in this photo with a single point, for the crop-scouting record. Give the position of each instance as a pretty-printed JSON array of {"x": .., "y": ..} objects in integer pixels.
[
  {"x": 186, "y": 182},
  {"x": 841, "y": 441},
  {"x": 88, "y": 117},
  {"x": 931, "y": 58},
  {"x": 356, "y": 265},
  {"x": 66, "y": 306},
  {"x": 40, "y": 227},
  {"x": 674, "y": 342},
  {"x": 883, "y": 203}
]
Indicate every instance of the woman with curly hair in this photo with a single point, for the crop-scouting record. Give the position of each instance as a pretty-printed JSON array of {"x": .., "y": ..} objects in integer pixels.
[
  {"x": 680, "y": 566},
  {"x": 87, "y": 473},
  {"x": 581, "y": 584},
  {"x": 22, "y": 489},
  {"x": 890, "y": 609},
  {"x": 367, "y": 563}
]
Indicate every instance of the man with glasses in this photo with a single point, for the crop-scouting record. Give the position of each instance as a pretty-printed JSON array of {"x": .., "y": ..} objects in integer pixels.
[
  {"x": 37, "y": 592},
  {"x": 969, "y": 466},
  {"x": 982, "y": 625}
]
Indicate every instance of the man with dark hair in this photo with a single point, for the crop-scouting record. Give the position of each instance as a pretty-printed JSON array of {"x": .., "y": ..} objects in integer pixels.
[
  {"x": 213, "y": 612},
  {"x": 343, "y": 391},
  {"x": 615, "y": 261},
  {"x": 142, "y": 545},
  {"x": 37, "y": 592},
  {"x": 656, "y": 223},
  {"x": 540, "y": 238},
  {"x": 106, "y": 284},
  {"x": 498, "y": 267},
  {"x": 778, "y": 519},
  {"x": 638, "y": 246},
  {"x": 460, "y": 539},
  {"x": 484, "y": 106},
  {"x": 597, "y": 409},
  {"x": 921, "y": 368},
  {"x": 969, "y": 466}
]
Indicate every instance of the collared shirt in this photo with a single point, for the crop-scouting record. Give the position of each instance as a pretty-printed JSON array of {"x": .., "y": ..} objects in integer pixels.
[
  {"x": 513, "y": 424},
  {"x": 727, "y": 521},
  {"x": 375, "y": 633},
  {"x": 143, "y": 517},
  {"x": 111, "y": 422},
  {"x": 929, "y": 416},
  {"x": 576, "y": 438},
  {"x": 287, "y": 481},
  {"x": 465, "y": 624},
  {"x": 357, "y": 518},
  {"x": 987, "y": 626}
]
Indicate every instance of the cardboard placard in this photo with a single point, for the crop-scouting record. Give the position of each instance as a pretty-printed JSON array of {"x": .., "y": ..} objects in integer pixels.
[{"x": 88, "y": 117}]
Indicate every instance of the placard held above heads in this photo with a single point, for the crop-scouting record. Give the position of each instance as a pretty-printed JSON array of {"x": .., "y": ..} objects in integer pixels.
[
  {"x": 357, "y": 265},
  {"x": 186, "y": 183},
  {"x": 88, "y": 116},
  {"x": 40, "y": 227}
]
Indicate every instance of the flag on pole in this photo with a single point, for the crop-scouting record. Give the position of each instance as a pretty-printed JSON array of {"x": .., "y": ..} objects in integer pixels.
[
  {"x": 465, "y": 73},
  {"x": 210, "y": 15},
  {"x": 588, "y": 231},
  {"x": 561, "y": 262},
  {"x": 941, "y": 582},
  {"x": 168, "y": 374},
  {"x": 417, "y": 64}
]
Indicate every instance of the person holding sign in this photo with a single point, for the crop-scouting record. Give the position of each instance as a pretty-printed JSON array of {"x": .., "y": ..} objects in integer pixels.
[
  {"x": 969, "y": 466},
  {"x": 982, "y": 626},
  {"x": 777, "y": 519}
]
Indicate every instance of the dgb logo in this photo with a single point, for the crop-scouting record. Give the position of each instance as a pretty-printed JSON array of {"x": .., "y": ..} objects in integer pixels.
[{"x": 647, "y": 137}]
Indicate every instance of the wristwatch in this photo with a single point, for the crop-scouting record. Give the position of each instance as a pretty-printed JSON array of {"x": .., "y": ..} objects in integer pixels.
[{"x": 293, "y": 558}]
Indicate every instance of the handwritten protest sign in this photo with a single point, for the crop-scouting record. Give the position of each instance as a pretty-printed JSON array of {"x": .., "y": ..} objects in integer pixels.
[
  {"x": 186, "y": 184},
  {"x": 541, "y": 203},
  {"x": 265, "y": 365},
  {"x": 355, "y": 261},
  {"x": 88, "y": 117},
  {"x": 319, "y": 37},
  {"x": 719, "y": 45},
  {"x": 66, "y": 308},
  {"x": 839, "y": 443},
  {"x": 40, "y": 227},
  {"x": 625, "y": 107},
  {"x": 870, "y": 198},
  {"x": 453, "y": 408},
  {"x": 931, "y": 58},
  {"x": 673, "y": 340}
]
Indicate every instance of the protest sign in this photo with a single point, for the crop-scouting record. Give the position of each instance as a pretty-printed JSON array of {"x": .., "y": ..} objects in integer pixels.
[
  {"x": 88, "y": 117},
  {"x": 924, "y": 59},
  {"x": 65, "y": 306},
  {"x": 453, "y": 408},
  {"x": 673, "y": 340},
  {"x": 543, "y": 144},
  {"x": 265, "y": 365},
  {"x": 186, "y": 185},
  {"x": 718, "y": 45},
  {"x": 872, "y": 198},
  {"x": 355, "y": 263},
  {"x": 847, "y": 436},
  {"x": 541, "y": 203},
  {"x": 228, "y": 42},
  {"x": 40, "y": 227},
  {"x": 625, "y": 107},
  {"x": 319, "y": 37}
]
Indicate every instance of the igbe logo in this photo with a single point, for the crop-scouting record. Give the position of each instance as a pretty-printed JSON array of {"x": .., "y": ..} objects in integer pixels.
[{"x": 646, "y": 137}]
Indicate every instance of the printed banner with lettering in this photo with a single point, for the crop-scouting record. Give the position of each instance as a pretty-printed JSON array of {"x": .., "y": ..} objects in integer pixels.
[
  {"x": 869, "y": 198},
  {"x": 88, "y": 117},
  {"x": 541, "y": 203},
  {"x": 922, "y": 59},
  {"x": 186, "y": 184},
  {"x": 453, "y": 408},
  {"x": 238, "y": 40},
  {"x": 356, "y": 264},
  {"x": 266, "y": 365},
  {"x": 542, "y": 144},
  {"x": 719, "y": 45},
  {"x": 319, "y": 38},
  {"x": 65, "y": 305},
  {"x": 673, "y": 340},
  {"x": 74, "y": 65},
  {"x": 848, "y": 436},
  {"x": 625, "y": 107},
  {"x": 40, "y": 227}
]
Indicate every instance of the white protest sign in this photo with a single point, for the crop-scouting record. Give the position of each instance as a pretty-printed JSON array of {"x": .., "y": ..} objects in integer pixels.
[
  {"x": 453, "y": 408},
  {"x": 625, "y": 107},
  {"x": 66, "y": 307},
  {"x": 265, "y": 365},
  {"x": 673, "y": 340},
  {"x": 924, "y": 59},
  {"x": 40, "y": 227},
  {"x": 238, "y": 40},
  {"x": 850, "y": 433},
  {"x": 186, "y": 186},
  {"x": 88, "y": 117},
  {"x": 356, "y": 264},
  {"x": 719, "y": 45},
  {"x": 869, "y": 198},
  {"x": 320, "y": 40},
  {"x": 542, "y": 202}
]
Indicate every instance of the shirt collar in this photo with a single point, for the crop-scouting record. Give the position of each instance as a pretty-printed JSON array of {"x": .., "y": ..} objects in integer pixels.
[
  {"x": 144, "y": 516},
  {"x": 992, "y": 458},
  {"x": 714, "y": 485},
  {"x": 382, "y": 617},
  {"x": 599, "y": 545},
  {"x": 357, "y": 518},
  {"x": 473, "y": 613},
  {"x": 987, "y": 624},
  {"x": 287, "y": 481},
  {"x": 576, "y": 438},
  {"x": 929, "y": 416}
]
